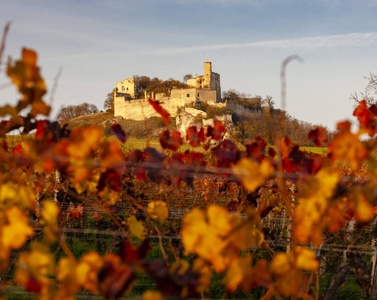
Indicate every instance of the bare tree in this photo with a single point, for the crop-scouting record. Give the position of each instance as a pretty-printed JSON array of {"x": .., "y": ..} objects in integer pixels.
[
  {"x": 187, "y": 77},
  {"x": 108, "y": 105},
  {"x": 367, "y": 95},
  {"x": 73, "y": 111}
]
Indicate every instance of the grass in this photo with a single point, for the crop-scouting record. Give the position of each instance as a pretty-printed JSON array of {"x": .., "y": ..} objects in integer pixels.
[
  {"x": 315, "y": 150},
  {"x": 133, "y": 144}
]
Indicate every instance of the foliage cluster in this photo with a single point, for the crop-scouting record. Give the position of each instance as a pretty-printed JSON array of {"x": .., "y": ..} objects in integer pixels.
[
  {"x": 157, "y": 85},
  {"x": 263, "y": 124},
  {"x": 211, "y": 110},
  {"x": 252, "y": 103},
  {"x": 226, "y": 230},
  {"x": 73, "y": 111}
]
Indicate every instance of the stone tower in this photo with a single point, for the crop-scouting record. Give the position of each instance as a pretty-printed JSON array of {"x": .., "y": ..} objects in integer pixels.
[
  {"x": 207, "y": 75},
  {"x": 210, "y": 80}
]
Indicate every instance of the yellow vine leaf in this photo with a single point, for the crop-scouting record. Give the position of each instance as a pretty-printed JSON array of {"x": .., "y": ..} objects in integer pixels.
[
  {"x": 221, "y": 238},
  {"x": 109, "y": 196},
  {"x": 89, "y": 185},
  {"x": 34, "y": 269},
  {"x": 12, "y": 193},
  {"x": 247, "y": 236},
  {"x": 152, "y": 295},
  {"x": 207, "y": 238},
  {"x": 15, "y": 233},
  {"x": 347, "y": 148},
  {"x": 305, "y": 259},
  {"x": 49, "y": 212},
  {"x": 205, "y": 272},
  {"x": 280, "y": 264},
  {"x": 290, "y": 268},
  {"x": 218, "y": 218},
  {"x": 242, "y": 274},
  {"x": 362, "y": 209},
  {"x": 136, "y": 227},
  {"x": 253, "y": 174},
  {"x": 49, "y": 215},
  {"x": 95, "y": 263},
  {"x": 71, "y": 277},
  {"x": 236, "y": 272},
  {"x": 83, "y": 141},
  {"x": 157, "y": 210},
  {"x": 309, "y": 214}
]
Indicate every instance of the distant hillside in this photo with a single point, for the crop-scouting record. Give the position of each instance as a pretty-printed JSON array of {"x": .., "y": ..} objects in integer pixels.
[
  {"x": 249, "y": 123},
  {"x": 133, "y": 129}
]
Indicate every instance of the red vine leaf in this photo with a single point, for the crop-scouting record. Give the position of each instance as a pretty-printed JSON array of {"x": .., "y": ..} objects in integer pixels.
[
  {"x": 118, "y": 131},
  {"x": 194, "y": 136},
  {"x": 171, "y": 142},
  {"x": 318, "y": 135},
  {"x": 158, "y": 108},
  {"x": 216, "y": 131}
]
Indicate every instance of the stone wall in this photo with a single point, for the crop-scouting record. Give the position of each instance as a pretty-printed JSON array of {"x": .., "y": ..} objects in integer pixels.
[
  {"x": 140, "y": 109},
  {"x": 192, "y": 95}
]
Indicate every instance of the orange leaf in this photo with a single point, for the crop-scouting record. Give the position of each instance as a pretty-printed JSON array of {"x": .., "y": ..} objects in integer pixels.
[
  {"x": 347, "y": 148},
  {"x": 363, "y": 114},
  {"x": 29, "y": 57}
]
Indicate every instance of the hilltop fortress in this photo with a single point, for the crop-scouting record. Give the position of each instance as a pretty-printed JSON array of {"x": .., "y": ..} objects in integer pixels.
[{"x": 205, "y": 88}]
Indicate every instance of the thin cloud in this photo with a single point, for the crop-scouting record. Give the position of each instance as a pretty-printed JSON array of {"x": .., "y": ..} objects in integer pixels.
[
  {"x": 306, "y": 43},
  {"x": 327, "y": 41}
]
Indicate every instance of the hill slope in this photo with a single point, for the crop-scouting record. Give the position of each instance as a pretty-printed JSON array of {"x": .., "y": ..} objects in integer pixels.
[{"x": 133, "y": 129}]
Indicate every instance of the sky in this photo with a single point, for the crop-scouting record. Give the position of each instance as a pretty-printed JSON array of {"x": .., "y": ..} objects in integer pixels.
[{"x": 93, "y": 44}]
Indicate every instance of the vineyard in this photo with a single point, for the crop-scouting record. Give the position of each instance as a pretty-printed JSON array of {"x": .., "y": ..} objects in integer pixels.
[{"x": 81, "y": 218}]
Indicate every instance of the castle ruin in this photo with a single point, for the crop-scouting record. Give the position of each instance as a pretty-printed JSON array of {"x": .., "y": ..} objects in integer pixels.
[{"x": 205, "y": 88}]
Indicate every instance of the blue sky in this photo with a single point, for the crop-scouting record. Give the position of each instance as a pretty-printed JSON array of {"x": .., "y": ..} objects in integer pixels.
[{"x": 97, "y": 43}]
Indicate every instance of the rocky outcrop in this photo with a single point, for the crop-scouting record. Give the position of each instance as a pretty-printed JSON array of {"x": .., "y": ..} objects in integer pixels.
[
  {"x": 187, "y": 117},
  {"x": 193, "y": 117}
]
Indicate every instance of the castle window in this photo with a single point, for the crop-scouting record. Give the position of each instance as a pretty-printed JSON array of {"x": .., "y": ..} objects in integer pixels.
[
  {"x": 127, "y": 89},
  {"x": 122, "y": 88},
  {"x": 198, "y": 94},
  {"x": 188, "y": 95}
]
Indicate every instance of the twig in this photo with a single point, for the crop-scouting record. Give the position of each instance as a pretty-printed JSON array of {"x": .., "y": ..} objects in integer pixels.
[
  {"x": 3, "y": 39},
  {"x": 281, "y": 180},
  {"x": 55, "y": 85}
]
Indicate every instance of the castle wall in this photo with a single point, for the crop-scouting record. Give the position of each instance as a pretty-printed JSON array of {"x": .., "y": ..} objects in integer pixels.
[
  {"x": 140, "y": 109},
  {"x": 193, "y": 94},
  {"x": 215, "y": 85}
]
